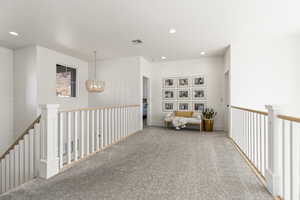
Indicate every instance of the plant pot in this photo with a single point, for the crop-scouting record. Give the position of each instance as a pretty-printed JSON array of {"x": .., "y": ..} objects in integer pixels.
[{"x": 208, "y": 125}]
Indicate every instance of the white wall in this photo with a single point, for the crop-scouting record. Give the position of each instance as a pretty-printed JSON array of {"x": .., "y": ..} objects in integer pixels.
[
  {"x": 263, "y": 71},
  {"x": 122, "y": 82},
  {"x": 211, "y": 67},
  {"x": 25, "y": 88},
  {"x": 35, "y": 83},
  {"x": 6, "y": 100},
  {"x": 46, "y": 90}
]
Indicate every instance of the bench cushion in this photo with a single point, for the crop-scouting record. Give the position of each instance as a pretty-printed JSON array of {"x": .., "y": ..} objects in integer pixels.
[{"x": 184, "y": 114}]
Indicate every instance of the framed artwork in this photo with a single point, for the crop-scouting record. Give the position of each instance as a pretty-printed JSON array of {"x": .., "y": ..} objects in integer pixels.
[
  {"x": 169, "y": 94},
  {"x": 184, "y": 106},
  {"x": 198, "y": 106},
  {"x": 183, "y": 94},
  {"x": 183, "y": 82},
  {"x": 169, "y": 83},
  {"x": 169, "y": 106},
  {"x": 199, "y": 93},
  {"x": 198, "y": 81}
]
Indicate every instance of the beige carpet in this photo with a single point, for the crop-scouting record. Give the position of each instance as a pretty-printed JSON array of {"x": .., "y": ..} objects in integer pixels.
[{"x": 155, "y": 164}]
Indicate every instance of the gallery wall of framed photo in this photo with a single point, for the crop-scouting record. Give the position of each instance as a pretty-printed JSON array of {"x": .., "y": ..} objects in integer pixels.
[{"x": 184, "y": 93}]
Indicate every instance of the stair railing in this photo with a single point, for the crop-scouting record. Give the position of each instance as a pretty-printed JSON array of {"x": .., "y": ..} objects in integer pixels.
[
  {"x": 20, "y": 162},
  {"x": 82, "y": 132},
  {"x": 270, "y": 143},
  {"x": 59, "y": 138}
]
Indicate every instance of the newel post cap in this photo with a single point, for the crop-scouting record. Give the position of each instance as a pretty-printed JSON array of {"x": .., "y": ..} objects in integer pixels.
[{"x": 273, "y": 107}]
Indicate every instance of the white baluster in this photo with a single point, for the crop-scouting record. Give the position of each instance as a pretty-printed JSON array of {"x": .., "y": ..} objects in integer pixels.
[
  {"x": 256, "y": 140},
  {"x": 61, "y": 140},
  {"x": 12, "y": 167},
  {"x": 37, "y": 153},
  {"x": 7, "y": 171},
  {"x": 97, "y": 130},
  {"x": 22, "y": 162},
  {"x": 31, "y": 154},
  {"x": 26, "y": 150},
  {"x": 260, "y": 145},
  {"x": 129, "y": 120},
  {"x": 102, "y": 128},
  {"x": 69, "y": 139},
  {"x": 291, "y": 160},
  {"x": 17, "y": 162},
  {"x": 3, "y": 175},
  {"x": 120, "y": 123},
  {"x": 283, "y": 159},
  {"x": 109, "y": 127},
  {"x": 127, "y": 123},
  {"x": 117, "y": 124},
  {"x": 105, "y": 126},
  {"x": 114, "y": 125},
  {"x": 123, "y": 122},
  {"x": 82, "y": 139},
  {"x": 93, "y": 131},
  {"x": 247, "y": 133},
  {"x": 87, "y": 132},
  {"x": 75, "y": 136},
  {"x": 263, "y": 143}
]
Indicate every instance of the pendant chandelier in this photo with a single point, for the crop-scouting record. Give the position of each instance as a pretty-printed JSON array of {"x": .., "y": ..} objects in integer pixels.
[{"x": 95, "y": 86}]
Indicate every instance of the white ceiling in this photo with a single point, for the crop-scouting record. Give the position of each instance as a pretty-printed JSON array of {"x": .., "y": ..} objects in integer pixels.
[{"x": 78, "y": 27}]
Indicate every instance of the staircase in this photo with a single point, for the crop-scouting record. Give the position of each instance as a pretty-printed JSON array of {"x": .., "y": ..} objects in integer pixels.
[
  {"x": 20, "y": 162},
  {"x": 59, "y": 138}
]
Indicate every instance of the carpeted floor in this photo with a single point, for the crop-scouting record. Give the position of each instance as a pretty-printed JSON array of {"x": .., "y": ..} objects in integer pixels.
[{"x": 154, "y": 164}]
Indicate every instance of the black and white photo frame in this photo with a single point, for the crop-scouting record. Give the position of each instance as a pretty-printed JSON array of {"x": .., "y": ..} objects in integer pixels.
[
  {"x": 184, "y": 106},
  {"x": 183, "y": 94},
  {"x": 198, "y": 81},
  {"x": 183, "y": 82},
  {"x": 169, "y": 94},
  {"x": 169, "y": 106},
  {"x": 199, "y": 106},
  {"x": 199, "y": 93},
  {"x": 169, "y": 83}
]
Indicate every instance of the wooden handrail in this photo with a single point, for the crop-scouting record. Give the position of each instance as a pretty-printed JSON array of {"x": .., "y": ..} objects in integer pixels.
[
  {"x": 250, "y": 110},
  {"x": 99, "y": 108},
  {"x": 289, "y": 118},
  {"x": 20, "y": 137}
]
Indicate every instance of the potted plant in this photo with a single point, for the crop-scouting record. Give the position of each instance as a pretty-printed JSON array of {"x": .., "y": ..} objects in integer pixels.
[{"x": 208, "y": 116}]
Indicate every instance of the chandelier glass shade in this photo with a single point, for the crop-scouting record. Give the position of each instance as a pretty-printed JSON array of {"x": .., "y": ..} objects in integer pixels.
[{"x": 94, "y": 85}]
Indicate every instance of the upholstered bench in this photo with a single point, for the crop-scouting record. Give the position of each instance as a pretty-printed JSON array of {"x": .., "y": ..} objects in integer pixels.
[{"x": 182, "y": 118}]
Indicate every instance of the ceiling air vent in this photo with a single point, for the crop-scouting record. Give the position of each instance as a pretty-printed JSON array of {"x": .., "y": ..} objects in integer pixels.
[{"x": 137, "y": 41}]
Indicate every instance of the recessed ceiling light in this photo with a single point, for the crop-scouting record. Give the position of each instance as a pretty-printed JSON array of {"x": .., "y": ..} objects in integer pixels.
[
  {"x": 13, "y": 33},
  {"x": 172, "y": 31},
  {"x": 163, "y": 57},
  {"x": 202, "y": 53}
]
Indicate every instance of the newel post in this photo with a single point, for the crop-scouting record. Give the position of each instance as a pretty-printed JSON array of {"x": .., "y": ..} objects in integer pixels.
[
  {"x": 49, "y": 165},
  {"x": 273, "y": 169}
]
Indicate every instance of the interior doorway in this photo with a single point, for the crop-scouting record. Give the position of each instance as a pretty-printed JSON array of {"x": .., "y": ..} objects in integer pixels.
[
  {"x": 227, "y": 103},
  {"x": 146, "y": 100}
]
